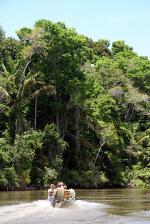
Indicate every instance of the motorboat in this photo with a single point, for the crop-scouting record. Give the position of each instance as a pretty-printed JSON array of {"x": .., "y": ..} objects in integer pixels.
[{"x": 69, "y": 198}]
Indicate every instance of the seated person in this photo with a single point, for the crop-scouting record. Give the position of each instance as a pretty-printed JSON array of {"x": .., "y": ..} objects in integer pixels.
[
  {"x": 59, "y": 192},
  {"x": 51, "y": 194}
]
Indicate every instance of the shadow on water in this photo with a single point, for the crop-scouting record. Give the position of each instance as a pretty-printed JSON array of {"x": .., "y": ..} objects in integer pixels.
[{"x": 120, "y": 206}]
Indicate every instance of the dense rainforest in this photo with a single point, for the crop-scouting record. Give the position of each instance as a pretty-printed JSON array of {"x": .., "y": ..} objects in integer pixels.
[{"x": 72, "y": 109}]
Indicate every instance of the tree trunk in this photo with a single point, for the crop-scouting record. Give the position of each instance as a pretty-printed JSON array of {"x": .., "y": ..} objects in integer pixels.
[
  {"x": 35, "y": 112},
  {"x": 102, "y": 142},
  {"x": 57, "y": 122},
  {"x": 77, "y": 127},
  {"x": 19, "y": 123}
]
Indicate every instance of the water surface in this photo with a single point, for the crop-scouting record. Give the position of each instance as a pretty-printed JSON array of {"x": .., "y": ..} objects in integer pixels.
[{"x": 114, "y": 206}]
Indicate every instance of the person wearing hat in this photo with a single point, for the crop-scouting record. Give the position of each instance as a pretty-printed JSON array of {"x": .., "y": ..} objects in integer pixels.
[{"x": 59, "y": 192}]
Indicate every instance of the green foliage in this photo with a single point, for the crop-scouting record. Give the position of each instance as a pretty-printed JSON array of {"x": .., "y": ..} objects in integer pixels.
[
  {"x": 3, "y": 180},
  {"x": 86, "y": 179},
  {"x": 50, "y": 176},
  {"x": 52, "y": 140},
  {"x": 101, "y": 47},
  {"x": 140, "y": 177},
  {"x": 72, "y": 108},
  {"x": 24, "y": 150},
  {"x": 26, "y": 144},
  {"x": 2, "y": 33},
  {"x": 8, "y": 175},
  {"x": 11, "y": 177},
  {"x": 24, "y": 34},
  {"x": 120, "y": 46}
]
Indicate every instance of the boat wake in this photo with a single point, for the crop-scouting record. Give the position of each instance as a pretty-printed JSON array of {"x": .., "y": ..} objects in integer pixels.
[
  {"x": 9, "y": 213},
  {"x": 85, "y": 205},
  {"x": 84, "y": 212},
  {"x": 42, "y": 208},
  {"x": 143, "y": 216}
]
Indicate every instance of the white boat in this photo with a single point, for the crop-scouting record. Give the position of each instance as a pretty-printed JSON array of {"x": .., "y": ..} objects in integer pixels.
[{"x": 69, "y": 199}]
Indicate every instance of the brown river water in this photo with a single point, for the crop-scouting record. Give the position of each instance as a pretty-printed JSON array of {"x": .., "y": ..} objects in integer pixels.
[{"x": 114, "y": 206}]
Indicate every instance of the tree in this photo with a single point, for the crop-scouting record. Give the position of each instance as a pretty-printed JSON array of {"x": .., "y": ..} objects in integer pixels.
[
  {"x": 120, "y": 46},
  {"x": 66, "y": 52},
  {"x": 22, "y": 83},
  {"x": 72, "y": 108},
  {"x": 101, "y": 48}
]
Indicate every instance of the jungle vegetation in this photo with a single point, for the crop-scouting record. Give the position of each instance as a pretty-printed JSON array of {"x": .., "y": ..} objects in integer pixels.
[{"x": 72, "y": 109}]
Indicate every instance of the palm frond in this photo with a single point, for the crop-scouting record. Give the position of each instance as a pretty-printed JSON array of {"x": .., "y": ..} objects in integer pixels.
[
  {"x": 49, "y": 89},
  {"x": 4, "y": 93},
  {"x": 4, "y": 67},
  {"x": 31, "y": 81}
]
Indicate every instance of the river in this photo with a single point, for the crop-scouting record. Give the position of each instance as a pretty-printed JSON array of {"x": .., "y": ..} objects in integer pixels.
[{"x": 108, "y": 206}]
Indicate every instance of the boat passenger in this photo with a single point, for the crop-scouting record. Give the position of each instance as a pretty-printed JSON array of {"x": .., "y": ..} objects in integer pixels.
[
  {"x": 51, "y": 195},
  {"x": 59, "y": 192},
  {"x": 65, "y": 186}
]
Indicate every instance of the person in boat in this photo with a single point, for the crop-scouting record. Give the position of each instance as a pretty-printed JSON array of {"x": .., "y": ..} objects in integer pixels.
[
  {"x": 59, "y": 192},
  {"x": 66, "y": 193},
  {"x": 65, "y": 186},
  {"x": 51, "y": 195}
]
